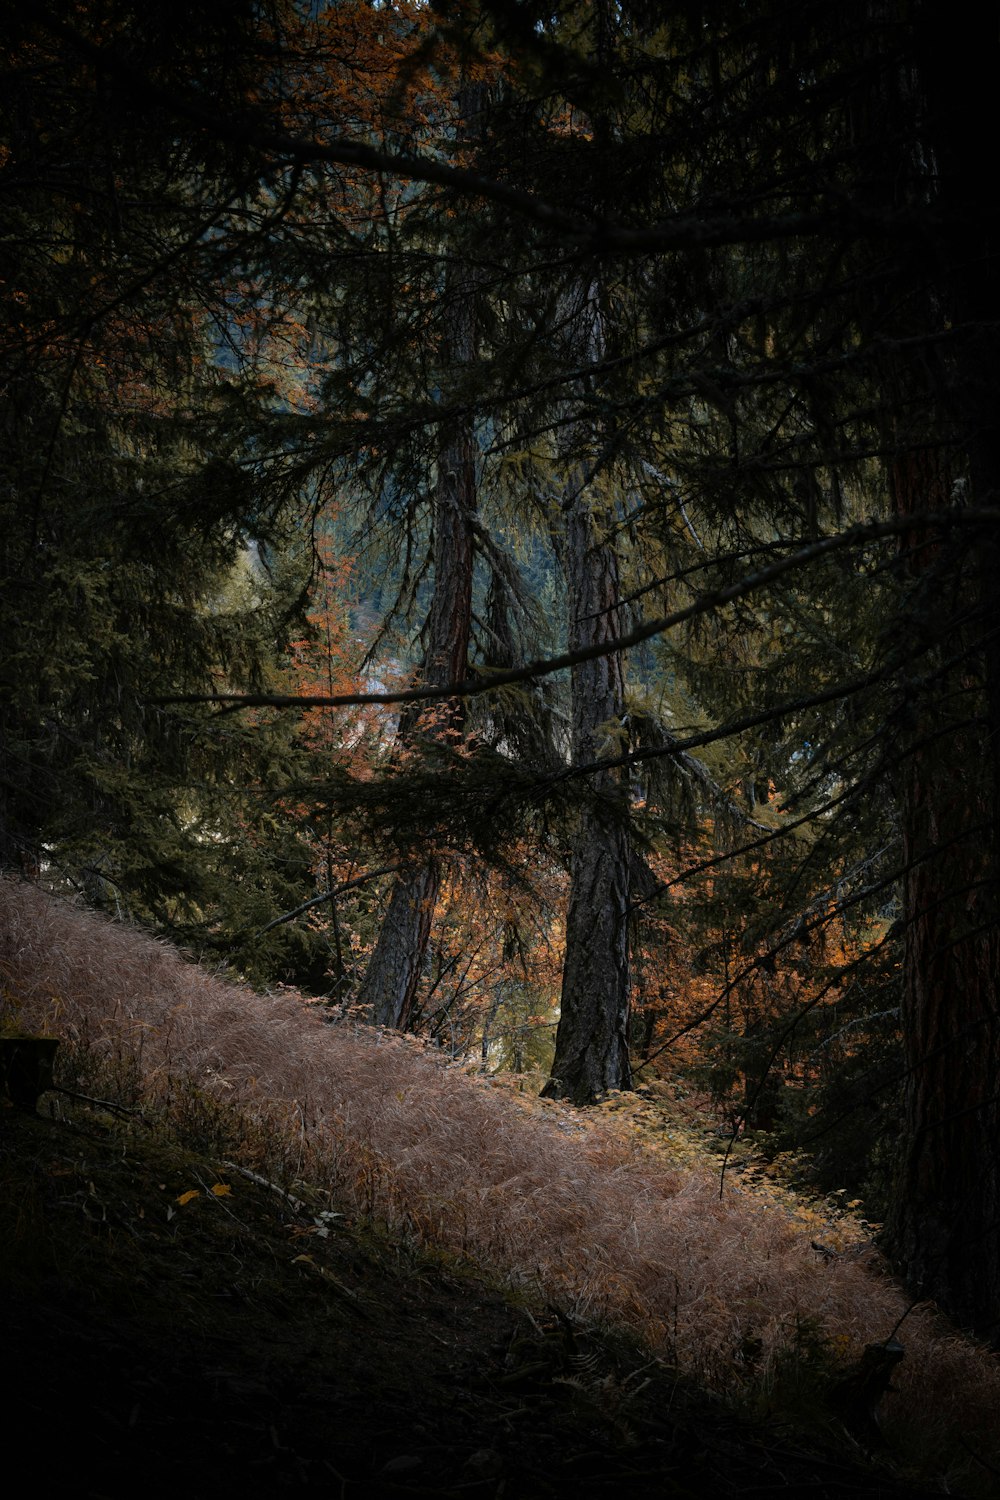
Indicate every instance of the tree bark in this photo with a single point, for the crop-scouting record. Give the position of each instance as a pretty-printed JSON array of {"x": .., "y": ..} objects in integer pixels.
[
  {"x": 389, "y": 988},
  {"x": 591, "y": 1054},
  {"x": 945, "y": 1226}
]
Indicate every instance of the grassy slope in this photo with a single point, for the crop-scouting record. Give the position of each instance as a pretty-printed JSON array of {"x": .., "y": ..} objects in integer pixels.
[
  {"x": 583, "y": 1216},
  {"x": 228, "y": 1351}
]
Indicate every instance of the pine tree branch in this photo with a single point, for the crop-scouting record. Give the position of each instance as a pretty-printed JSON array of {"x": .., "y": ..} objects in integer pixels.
[
  {"x": 330, "y": 895},
  {"x": 689, "y": 230},
  {"x": 854, "y": 536}
]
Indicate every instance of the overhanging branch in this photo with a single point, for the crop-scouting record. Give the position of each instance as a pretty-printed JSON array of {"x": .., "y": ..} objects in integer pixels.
[
  {"x": 855, "y": 536},
  {"x": 690, "y": 230},
  {"x": 330, "y": 895}
]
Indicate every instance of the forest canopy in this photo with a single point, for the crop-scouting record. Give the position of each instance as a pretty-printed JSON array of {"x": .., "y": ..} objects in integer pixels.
[{"x": 500, "y": 533}]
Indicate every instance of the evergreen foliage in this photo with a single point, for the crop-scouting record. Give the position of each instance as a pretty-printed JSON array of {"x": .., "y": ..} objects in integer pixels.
[{"x": 727, "y": 394}]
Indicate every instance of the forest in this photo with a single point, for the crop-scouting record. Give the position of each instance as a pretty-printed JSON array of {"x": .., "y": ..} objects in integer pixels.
[{"x": 499, "y": 542}]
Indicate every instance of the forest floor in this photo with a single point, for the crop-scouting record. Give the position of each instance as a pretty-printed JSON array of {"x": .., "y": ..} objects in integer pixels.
[{"x": 173, "y": 1325}]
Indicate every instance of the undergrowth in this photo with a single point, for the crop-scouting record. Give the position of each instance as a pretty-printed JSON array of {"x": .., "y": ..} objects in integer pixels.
[{"x": 617, "y": 1215}]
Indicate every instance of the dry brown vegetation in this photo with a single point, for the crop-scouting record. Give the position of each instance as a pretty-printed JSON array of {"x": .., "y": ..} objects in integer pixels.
[{"x": 730, "y": 1289}]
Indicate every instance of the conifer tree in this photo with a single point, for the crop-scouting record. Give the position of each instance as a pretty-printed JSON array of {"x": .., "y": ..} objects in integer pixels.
[
  {"x": 813, "y": 294},
  {"x": 945, "y": 1222},
  {"x": 131, "y": 533},
  {"x": 390, "y": 984},
  {"x": 591, "y": 1053}
]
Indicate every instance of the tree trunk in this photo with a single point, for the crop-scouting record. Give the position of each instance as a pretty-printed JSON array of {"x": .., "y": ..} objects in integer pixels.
[
  {"x": 945, "y": 1227},
  {"x": 390, "y": 984},
  {"x": 591, "y": 1054}
]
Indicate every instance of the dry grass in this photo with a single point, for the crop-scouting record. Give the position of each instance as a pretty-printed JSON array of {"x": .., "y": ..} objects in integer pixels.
[{"x": 730, "y": 1289}]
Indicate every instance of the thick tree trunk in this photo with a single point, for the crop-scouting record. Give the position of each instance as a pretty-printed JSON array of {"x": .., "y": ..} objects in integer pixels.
[
  {"x": 945, "y": 1227},
  {"x": 390, "y": 984},
  {"x": 389, "y": 988},
  {"x": 591, "y": 1054}
]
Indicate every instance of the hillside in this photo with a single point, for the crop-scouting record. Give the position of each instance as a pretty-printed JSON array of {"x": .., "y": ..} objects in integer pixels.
[
  {"x": 230, "y": 1351},
  {"x": 296, "y": 1256}
]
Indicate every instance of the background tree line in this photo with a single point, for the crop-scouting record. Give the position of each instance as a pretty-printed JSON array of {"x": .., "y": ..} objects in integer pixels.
[{"x": 606, "y": 402}]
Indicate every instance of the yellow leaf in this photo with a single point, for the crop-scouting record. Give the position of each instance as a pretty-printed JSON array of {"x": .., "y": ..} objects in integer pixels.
[
  {"x": 221, "y": 1189},
  {"x": 186, "y": 1197}
]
